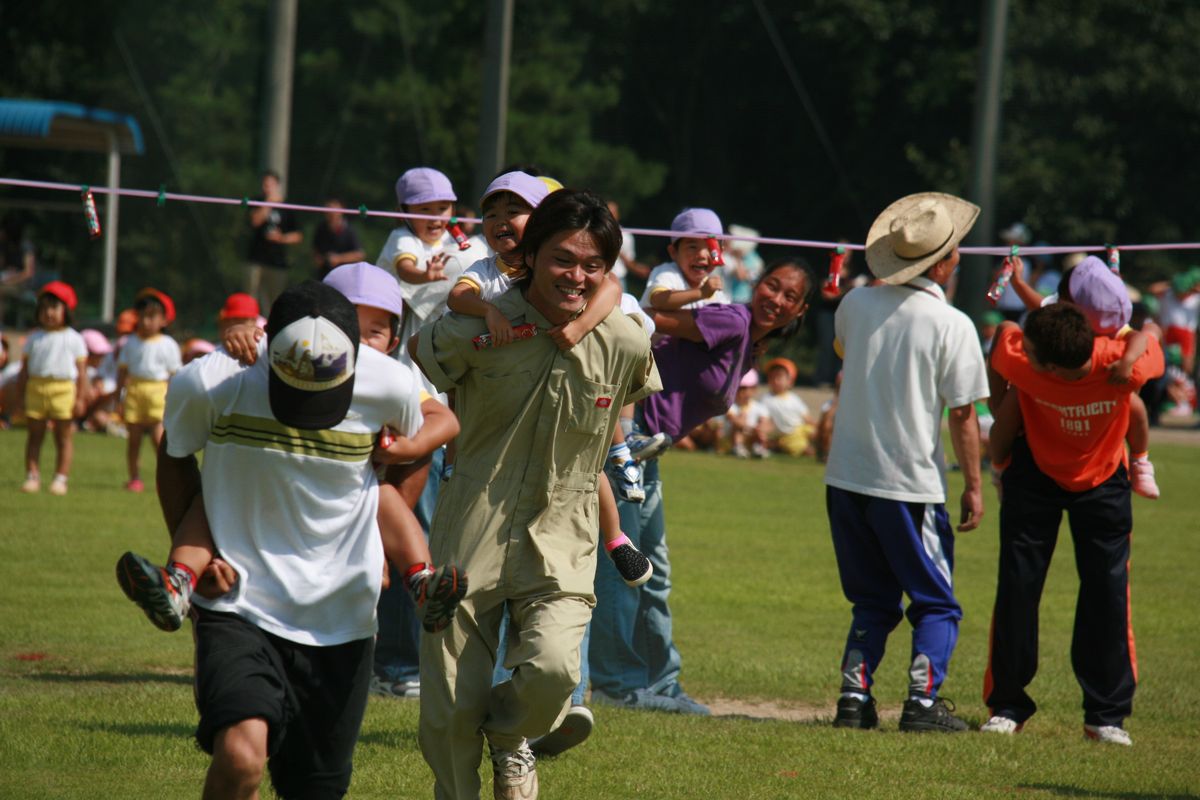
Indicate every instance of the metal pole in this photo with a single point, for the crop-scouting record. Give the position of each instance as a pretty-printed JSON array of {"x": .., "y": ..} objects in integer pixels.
[
  {"x": 277, "y": 101},
  {"x": 975, "y": 272},
  {"x": 493, "y": 118},
  {"x": 111, "y": 206}
]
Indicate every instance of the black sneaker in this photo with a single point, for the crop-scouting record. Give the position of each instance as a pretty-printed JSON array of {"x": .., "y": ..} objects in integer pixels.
[
  {"x": 938, "y": 718},
  {"x": 855, "y": 713},
  {"x": 632, "y": 564}
]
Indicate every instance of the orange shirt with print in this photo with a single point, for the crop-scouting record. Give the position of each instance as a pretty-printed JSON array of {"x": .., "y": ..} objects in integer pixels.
[{"x": 1075, "y": 429}]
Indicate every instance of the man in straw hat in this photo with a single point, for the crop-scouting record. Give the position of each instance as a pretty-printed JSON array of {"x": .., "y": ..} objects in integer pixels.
[{"x": 907, "y": 356}]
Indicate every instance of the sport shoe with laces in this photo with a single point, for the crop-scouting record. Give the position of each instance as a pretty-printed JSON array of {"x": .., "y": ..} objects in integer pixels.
[
  {"x": 408, "y": 690},
  {"x": 631, "y": 563},
  {"x": 1109, "y": 734},
  {"x": 1141, "y": 479},
  {"x": 938, "y": 718},
  {"x": 32, "y": 484},
  {"x": 514, "y": 774},
  {"x": 1001, "y": 724},
  {"x": 855, "y": 713},
  {"x": 162, "y": 595},
  {"x": 438, "y": 592},
  {"x": 575, "y": 728},
  {"x": 644, "y": 448},
  {"x": 629, "y": 482}
]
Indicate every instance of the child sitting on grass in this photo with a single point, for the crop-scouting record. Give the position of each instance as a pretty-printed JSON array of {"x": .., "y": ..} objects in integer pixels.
[
  {"x": 745, "y": 419},
  {"x": 790, "y": 427},
  {"x": 164, "y": 593},
  {"x": 1104, "y": 300},
  {"x": 507, "y": 203},
  {"x": 54, "y": 381}
]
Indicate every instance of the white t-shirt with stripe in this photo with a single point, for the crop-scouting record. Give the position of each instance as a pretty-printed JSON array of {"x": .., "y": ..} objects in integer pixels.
[{"x": 293, "y": 511}]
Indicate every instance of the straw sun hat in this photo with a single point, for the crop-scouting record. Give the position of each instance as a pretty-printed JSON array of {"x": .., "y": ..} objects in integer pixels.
[{"x": 916, "y": 232}]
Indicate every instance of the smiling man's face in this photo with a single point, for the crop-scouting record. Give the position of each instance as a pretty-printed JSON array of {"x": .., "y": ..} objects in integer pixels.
[{"x": 567, "y": 271}]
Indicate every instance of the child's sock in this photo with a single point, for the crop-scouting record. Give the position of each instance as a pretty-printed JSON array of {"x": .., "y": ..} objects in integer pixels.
[
  {"x": 186, "y": 578},
  {"x": 413, "y": 576},
  {"x": 1140, "y": 456},
  {"x": 617, "y": 542},
  {"x": 60, "y": 478},
  {"x": 619, "y": 453}
]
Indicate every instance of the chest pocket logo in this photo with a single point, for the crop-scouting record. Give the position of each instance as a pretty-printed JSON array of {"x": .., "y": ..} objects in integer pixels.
[{"x": 590, "y": 406}]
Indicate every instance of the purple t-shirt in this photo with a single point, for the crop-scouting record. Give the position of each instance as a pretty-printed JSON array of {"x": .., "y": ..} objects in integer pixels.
[{"x": 700, "y": 379}]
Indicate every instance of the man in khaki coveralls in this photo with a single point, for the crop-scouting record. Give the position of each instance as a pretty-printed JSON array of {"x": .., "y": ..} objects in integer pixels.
[{"x": 520, "y": 511}]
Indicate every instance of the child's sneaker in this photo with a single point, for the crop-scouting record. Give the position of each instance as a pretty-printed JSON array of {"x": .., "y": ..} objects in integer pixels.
[
  {"x": 1109, "y": 734},
  {"x": 629, "y": 482},
  {"x": 58, "y": 486},
  {"x": 631, "y": 563},
  {"x": 32, "y": 484},
  {"x": 162, "y": 594},
  {"x": 134, "y": 485},
  {"x": 438, "y": 593},
  {"x": 1002, "y": 724},
  {"x": 759, "y": 450},
  {"x": 644, "y": 448},
  {"x": 1141, "y": 477},
  {"x": 740, "y": 451}
]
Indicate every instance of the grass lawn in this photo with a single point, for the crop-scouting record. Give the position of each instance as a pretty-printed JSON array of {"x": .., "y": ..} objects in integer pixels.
[{"x": 96, "y": 702}]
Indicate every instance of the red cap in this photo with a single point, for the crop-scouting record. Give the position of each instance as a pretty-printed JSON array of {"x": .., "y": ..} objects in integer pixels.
[
  {"x": 126, "y": 321},
  {"x": 62, "y": 291},
  {"x": 239, "y": 305},
  {"x": 167, "y": 303}
]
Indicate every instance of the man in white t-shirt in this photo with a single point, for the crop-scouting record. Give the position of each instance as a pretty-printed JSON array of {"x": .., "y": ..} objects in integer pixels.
[
  {"x": 283, "y": 659},
  {"x": 907, "y": 356}
]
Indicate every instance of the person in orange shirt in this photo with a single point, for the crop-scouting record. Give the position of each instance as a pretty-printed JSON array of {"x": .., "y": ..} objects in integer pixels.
[{"x": 1071, "y": 458}]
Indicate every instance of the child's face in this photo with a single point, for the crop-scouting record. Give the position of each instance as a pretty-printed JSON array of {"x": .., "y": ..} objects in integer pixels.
[
  {"x": 778, "y": 380},
  {"x": 151, "y": 321},
  {"x": 375, "y": 329},
  {"x": 430, "y": 231},
  {"x": 51, "y": 312},
  {"x": 504, "y": 218},
  {"x": 744, "y": 395},
  {"x": 692, "y": 258}
]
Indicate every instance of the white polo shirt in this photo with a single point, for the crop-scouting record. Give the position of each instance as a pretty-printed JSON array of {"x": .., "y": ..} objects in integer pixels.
[
  {"x": 425, "y": 300},
  {"x": 293, "y": 511},
  {"x": 908, "y": 355},
  {"x": 491, "y": 277}
]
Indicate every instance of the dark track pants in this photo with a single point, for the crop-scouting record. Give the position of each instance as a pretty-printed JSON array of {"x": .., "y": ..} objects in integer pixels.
[{"x": 1102, "y": 649}]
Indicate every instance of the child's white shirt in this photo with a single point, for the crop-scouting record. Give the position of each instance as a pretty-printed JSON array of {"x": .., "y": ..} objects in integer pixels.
[
  {"x": 751, "y": 413},
  {"x": 153, "y": 359},
  {"x": 425, "y": 301},
  {"x": 669, "y": 277},
  {"x": 55, "y": 354},
  {"x": 491, "y": 277},
  {"x": 787, "y": 411}
]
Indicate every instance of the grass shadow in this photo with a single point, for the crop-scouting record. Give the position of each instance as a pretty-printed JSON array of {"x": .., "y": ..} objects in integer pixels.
[
  {"x": 393, "y": 737},
  {"x": 153, "y": 729},
  {"x": 1075, "y": 791}
]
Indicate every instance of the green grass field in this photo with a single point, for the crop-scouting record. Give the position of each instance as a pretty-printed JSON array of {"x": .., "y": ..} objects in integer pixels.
[{"x": 96, "y": 703}]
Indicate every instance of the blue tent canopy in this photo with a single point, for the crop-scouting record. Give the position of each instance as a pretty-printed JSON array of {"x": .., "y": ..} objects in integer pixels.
[{"x": 67, "y": 126}]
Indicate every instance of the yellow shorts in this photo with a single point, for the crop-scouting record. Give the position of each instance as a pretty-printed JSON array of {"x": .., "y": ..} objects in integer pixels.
[
  {"x": 796, "y": 442},
  {"x": 145, "y": 402},
  {"x": 49, "y": 398}
]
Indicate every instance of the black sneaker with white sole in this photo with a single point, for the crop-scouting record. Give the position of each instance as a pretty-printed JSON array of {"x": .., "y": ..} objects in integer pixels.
[
  {"x": 937, "y": 718},
  {"x": 855, "y": 713},
  {"x": 631, "y": 563}
]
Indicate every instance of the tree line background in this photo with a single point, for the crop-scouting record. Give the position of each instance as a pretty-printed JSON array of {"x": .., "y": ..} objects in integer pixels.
[{"x": 658, "y": 104}]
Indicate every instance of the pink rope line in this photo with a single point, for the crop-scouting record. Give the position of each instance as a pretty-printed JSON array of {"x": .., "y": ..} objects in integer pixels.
[{"x": 805, "y": 243}]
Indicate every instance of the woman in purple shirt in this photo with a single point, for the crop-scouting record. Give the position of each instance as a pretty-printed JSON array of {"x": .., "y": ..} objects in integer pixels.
[{"x": 701, "y": 361}]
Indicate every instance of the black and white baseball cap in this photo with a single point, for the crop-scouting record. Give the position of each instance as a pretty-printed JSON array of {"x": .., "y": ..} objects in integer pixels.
[{"x": 312, "y": 348}]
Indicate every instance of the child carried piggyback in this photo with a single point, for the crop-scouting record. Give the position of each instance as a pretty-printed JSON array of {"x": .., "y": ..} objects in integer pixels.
[
  {"x": 164, "y": 594},
  {"x": 506, "y": 204}
]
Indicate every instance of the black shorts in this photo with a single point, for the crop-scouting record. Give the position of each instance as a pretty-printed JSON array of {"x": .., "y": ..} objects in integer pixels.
[{"x": 312, "y": 698}]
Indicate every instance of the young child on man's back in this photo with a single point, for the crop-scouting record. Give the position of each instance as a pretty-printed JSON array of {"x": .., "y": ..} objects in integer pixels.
[
  {"x": 1102, "y": 297},
  {"x": 54, "y": 380},
  {"x": 165, "y": 593},
  {"x": 146, "y": 363},
  {"x": 421, "y": 251},
  {"x": 507, "y": 203}
]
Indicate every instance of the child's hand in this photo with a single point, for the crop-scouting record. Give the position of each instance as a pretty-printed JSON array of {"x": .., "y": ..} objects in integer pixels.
[
  {"x": 241, "y": 342},
  {"x": 79, "y": 408},
  {"x": 435, "y": 268},
  {"x": 1018, "y": 268},
  {"x": 712, "y": 284},
  {"x": 392, "y": 448},
  {"x": 217, "y": 579},
  {"x": 1120, "y": 371},
  {"x": 568, "y": 334},
  {"x": 498, "y": 326}
]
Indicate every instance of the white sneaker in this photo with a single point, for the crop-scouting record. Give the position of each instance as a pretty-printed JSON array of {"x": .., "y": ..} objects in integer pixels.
[
  {"x": 1109, "y": 734},
  {"x": 58, "y": 486},
  {"x": 999, "y": 724},
  {"x": 1141, "y": 477},
  {"x": 514, "y": 774},
  {"x": 575, "y": 728}
]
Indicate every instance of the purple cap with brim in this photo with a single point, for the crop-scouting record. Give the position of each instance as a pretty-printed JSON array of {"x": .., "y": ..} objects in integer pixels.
[
  {"x": 1101, "y": 296},
  {"x": 367, "y": 285},
  {"x": 530, "y": 189},
  {"x": 696, "y": 223},
  {"x": 424, "y": 185}
]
